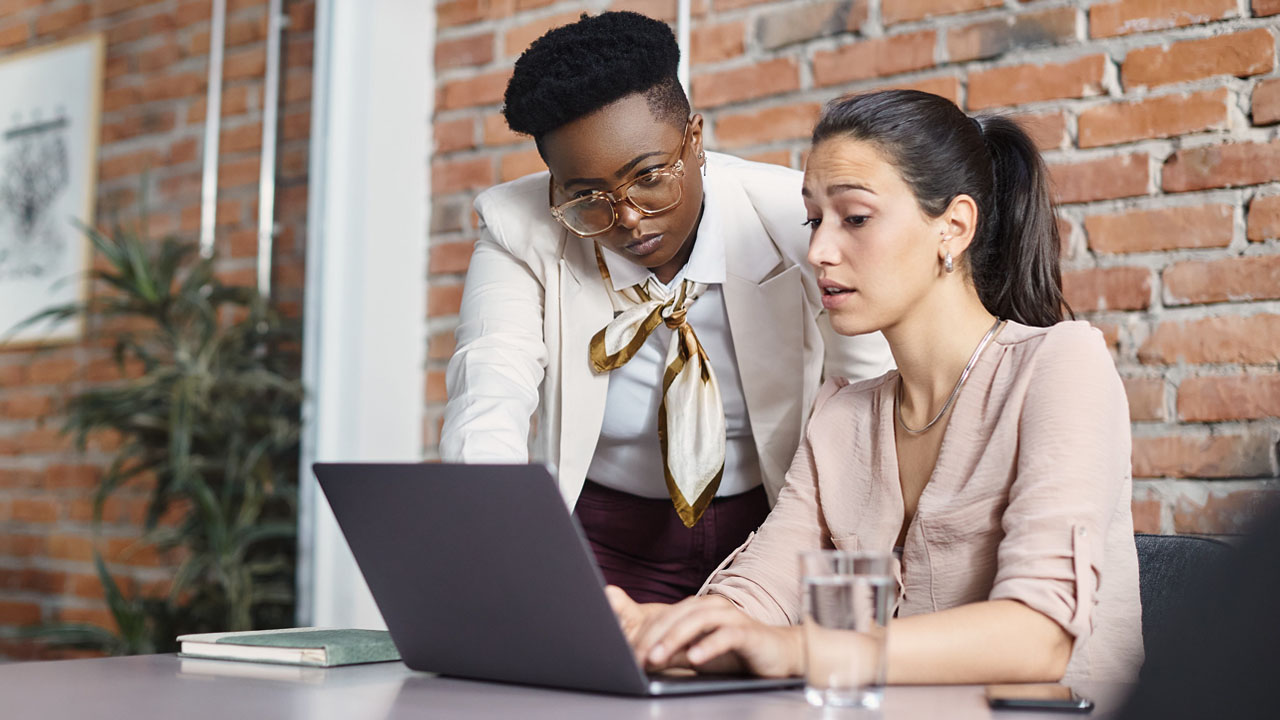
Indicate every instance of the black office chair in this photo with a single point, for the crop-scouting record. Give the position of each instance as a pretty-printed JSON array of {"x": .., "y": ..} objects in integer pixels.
[
  {"x": 1217, "y": 655},
  {"x": 1168, "y": 566}
]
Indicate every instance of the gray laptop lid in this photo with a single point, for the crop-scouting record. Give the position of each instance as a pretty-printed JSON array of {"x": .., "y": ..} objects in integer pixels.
[{"x": 480, "y": 572}]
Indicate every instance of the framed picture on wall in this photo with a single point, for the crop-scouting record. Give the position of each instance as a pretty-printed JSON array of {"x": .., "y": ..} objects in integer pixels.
[{"x": 50, "y": 102}]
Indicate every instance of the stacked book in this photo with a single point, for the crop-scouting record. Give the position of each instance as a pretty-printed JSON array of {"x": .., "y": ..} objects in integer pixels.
[{"x": 316, "y": 647}]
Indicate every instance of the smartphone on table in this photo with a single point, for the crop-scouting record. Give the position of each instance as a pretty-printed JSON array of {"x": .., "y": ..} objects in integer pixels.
[{"x": 1037, "y": 696}]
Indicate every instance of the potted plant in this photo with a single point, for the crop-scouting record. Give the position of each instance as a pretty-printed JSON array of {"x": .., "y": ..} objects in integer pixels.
[{"x": 208, "y": 415}]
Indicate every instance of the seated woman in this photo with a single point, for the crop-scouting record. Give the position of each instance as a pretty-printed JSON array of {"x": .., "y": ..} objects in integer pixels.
[
  {"x": 996, "y": 456},
  {"x": 642, "y": 317}
]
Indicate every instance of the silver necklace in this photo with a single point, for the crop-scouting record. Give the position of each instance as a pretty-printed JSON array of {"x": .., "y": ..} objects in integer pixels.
[{"x": 973, "y": 359}]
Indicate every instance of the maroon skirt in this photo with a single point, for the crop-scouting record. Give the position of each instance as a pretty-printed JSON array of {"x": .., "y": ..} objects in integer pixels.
[{"x": 642, "y": 546}]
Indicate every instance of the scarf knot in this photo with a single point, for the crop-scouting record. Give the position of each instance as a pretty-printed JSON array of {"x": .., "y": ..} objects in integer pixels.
[{"x": 691, "y": 424}]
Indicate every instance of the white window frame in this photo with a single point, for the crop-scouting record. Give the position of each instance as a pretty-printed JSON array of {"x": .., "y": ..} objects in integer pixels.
[{"x": 364, "y": 344}]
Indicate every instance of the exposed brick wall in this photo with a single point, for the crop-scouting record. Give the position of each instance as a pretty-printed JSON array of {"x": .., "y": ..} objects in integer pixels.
[
  {"x": 1158, "y": 118},
  {"x": 152, "y": 130}
]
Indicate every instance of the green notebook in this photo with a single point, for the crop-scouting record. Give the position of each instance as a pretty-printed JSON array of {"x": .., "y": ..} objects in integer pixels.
[{"x": 320, "y": 647}]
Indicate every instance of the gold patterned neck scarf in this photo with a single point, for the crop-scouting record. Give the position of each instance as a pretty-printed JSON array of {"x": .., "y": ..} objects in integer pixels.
[{"x": 691, "y": 427}]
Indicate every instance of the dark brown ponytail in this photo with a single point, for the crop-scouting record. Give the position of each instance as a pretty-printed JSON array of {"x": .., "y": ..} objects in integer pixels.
[{"x": 941, "y": 153}]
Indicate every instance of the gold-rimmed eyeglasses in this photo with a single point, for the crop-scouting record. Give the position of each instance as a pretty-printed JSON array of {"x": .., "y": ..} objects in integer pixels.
[{"x": 653, "y": 193}]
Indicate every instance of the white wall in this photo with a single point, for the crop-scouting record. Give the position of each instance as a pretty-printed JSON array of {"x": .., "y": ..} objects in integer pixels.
[{"x": 364, "y": 347}]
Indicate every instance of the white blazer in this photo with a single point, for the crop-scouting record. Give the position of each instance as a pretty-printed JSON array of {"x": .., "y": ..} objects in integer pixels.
[{"x": 520, "y": 384}]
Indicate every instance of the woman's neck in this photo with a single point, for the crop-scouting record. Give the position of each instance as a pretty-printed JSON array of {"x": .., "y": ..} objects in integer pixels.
[
  {"x": 932, "y": 346},
  {"x": 668, "y": 270}
]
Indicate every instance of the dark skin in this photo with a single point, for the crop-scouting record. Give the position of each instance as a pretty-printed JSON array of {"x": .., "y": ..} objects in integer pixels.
[{"x": 620, "y": 142}]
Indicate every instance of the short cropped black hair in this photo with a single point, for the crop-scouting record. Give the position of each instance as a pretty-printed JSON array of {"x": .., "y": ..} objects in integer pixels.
[{"x": 576, "y": 69}]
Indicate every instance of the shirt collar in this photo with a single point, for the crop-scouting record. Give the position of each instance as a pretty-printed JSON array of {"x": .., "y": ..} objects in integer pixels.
[{"x": 706, "y": 263}]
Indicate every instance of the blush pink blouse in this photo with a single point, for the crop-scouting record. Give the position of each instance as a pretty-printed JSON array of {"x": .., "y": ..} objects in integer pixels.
[{"x": 1029, "y": 499}]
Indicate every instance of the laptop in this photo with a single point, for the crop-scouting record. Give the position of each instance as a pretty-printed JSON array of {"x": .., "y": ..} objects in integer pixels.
[{"x": 481, "y": 572}]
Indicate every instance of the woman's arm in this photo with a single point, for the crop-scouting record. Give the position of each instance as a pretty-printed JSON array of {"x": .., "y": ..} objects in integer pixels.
[
  {"x": 993, "y": 641},
  {"x": 1071, "y": 475},
  {"x": 763, "y": 576},
  {"x": 495, "y": 372},
  {"x": 1071, "y": 481}
]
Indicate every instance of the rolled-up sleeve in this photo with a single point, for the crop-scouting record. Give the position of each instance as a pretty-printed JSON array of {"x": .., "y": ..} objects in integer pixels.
[
  {"x": 1073, "y": 468},
  {"x": 763, "y": 576}
]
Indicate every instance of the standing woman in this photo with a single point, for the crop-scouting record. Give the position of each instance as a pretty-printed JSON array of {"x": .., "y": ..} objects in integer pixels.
[
  {"x": 642, "y": 317},
  {"x": 996, "y": 457}
]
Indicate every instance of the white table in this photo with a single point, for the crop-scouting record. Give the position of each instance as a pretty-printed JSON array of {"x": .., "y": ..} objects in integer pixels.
[{"x": 165, "y": 686}]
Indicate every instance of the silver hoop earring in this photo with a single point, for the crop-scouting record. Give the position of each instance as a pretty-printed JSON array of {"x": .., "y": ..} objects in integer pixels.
[{"x": 947, "y": 264}]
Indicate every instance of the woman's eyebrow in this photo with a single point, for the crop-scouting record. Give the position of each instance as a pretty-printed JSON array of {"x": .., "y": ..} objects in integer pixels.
[
  {"x": 845, "y": 187},
  {"x": 838, "y": 188},
  {"x": 621, "y": 172},
  {"x": 636, "y": 161}
]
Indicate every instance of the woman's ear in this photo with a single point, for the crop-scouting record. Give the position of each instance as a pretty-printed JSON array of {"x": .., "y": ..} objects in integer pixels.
[
  {"x": 695, "y": 136},
  {"x": 959, "y": 223}
]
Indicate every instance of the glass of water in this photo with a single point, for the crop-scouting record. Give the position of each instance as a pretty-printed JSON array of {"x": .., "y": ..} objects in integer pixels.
[{"x": 848, "y": 598}]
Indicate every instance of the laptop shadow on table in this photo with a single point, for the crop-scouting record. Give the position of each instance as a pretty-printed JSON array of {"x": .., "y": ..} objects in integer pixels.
[{"x": 456, "y": 697}]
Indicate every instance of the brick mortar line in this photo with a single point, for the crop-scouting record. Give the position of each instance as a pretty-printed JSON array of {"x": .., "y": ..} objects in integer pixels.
[
  {"x": 750, "y": 15},
  {"x": 1154, "y": 260},
  {"x": 46, "y": 601},
  {"x": 64, "y": 599},
  {"x": 1241, "y": 245},
  {"x": 59, "y": 601},
  {"x": 1225, "y": 484},
  {"x": 788, "y": 144},
  {"x": 1238, "y": 85},
  {"x": 1017, "y": 9},
  {"x": 137, "y": 573},
  {"x": 1169, "y": 400},
  {"x": 1177, "y": 372},
  {"x": 1195, "y": 198},
  {"x": 812, "y": 94},
  {"x": 125, "y": 146},
  {"x": 1173, "y": 377},
  {"x": 1115, "y": 48},
  {"x": 432, "y": 275},
  {"x": 448, "y": 277},
  {"x": 1237, "y": 88},
  {"x": 500, "y": 28},
  {"x": 1191, "y": 313},
  {"x": 518, "y": 19},
  {"x": 435, "y": 326},
  {"x": 1126, "y": 358},
  {"x": 451, "y": 236},
  {"x": 65, "y": 495},
  {"x": 1201, "y": 430},
  {"x": 1158, "y": 150},
  {"x": 37, "y": 463},
  {"x": 8, "y": 425},
  {"x": 1165, "y": 492},
  {"x": 1076, "y": 213},
  {"x": 86, "y": 529},
  {"x": 78, "y": 567}
]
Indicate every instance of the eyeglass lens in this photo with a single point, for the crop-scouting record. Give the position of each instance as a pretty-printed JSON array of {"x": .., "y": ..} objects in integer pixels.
[{"x": 653, "y": 194}]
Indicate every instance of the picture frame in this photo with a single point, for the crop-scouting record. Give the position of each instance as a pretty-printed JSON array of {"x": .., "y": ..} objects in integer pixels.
[{"x": 50, "y": 120}]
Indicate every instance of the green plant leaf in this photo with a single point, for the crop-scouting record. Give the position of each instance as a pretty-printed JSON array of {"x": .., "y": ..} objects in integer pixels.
[
  {"x": 131, "y": 622},
  {"x": 73, "y": 635},
  {"x": 211, "y": 423}
]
